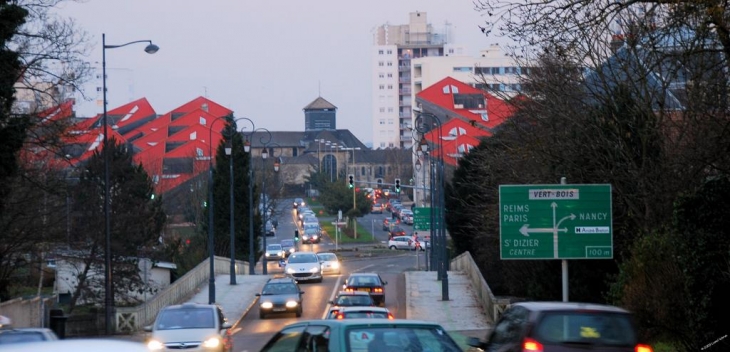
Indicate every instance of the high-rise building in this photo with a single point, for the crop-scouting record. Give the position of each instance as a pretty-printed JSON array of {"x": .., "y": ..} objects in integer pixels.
[{"x": 394, "y": 46}]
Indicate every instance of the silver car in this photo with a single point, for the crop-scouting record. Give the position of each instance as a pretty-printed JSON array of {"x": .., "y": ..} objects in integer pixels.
[
  {"x": 330, "y": 263},
  {"x": 192, "y": 327},
  {"x": 274, "y": 251},
  {"x": 304, "y": 266}
]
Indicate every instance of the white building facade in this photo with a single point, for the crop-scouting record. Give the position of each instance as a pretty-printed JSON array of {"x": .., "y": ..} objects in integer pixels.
[{"x": 394, "y": 47}]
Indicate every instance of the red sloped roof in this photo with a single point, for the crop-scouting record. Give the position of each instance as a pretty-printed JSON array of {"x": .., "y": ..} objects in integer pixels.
[
  {"x": 58, "y": 112},
  {"x": 454, "y": 147},
  {"x": 151, "y": 159},
  {"x": 203, "y": 103},
  {"x": 457, "y": 127},
  {"x": 132, "y": 112},
  {"x": 442, "y": 93}
]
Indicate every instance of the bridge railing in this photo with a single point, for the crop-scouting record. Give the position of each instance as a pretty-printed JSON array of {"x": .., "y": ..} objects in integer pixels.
[
  {"x": 492, "y": 306},
  {"x": 133, "y": 319}
]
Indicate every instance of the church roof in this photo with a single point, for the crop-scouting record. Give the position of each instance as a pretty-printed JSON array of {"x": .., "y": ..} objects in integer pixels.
[{"x": 319, "y": 104}]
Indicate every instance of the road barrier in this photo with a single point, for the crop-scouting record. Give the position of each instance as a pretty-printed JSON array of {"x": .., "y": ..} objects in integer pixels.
[{"x": 492, "y": 306}]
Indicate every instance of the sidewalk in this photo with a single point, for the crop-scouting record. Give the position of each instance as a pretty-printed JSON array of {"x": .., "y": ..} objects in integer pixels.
[{"x": 461, "y": 313}]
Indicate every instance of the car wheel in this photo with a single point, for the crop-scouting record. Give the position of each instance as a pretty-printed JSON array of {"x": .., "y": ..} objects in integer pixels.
[{"x": 393, "y": 247}]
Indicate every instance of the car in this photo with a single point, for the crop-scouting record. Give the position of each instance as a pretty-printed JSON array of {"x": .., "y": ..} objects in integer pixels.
[
  {"x": 311, "y": 235},
  {"x": 406, "y": 215},
  {"x": 401, "y": 242},
  {"x": 310, "y": 221},
  {"x": 371, "y": 283},
  {"x": 387, "y": 222},
  {"x": 377, "y": 208},
  {"x": 349, "y": 335},
  {"x": 563, "y": 326},
  {"x": 79, "y": 345},
  {"x": 289, "y": 247},
  {"x": 304, "y": 266},
  {"x": 363, "y": 313},
  {"x": 190, "y": 326},
  {"x": 25, "y": 335},
  {"x": 270, "y": 228},
  {"x": 330, "y": 263},
  {"x": 397, "y": 231},
  {"x": 274, "y": 251},
  {"x": 280, "y": 295},
  {"x": 349, "y": 299},
  {"x": 298, "y": 202}
]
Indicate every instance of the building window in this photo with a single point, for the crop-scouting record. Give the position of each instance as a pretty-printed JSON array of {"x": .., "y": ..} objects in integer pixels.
[
  {"x": 362, "y": 171},
  {"x": 203, "y": 121},
  {"x": 381, "y": 86},
  {"x": 382, "y": 144},
  {"x": 380, "y": 170},
  {"x": 382, "y": 109},
  {"x": 390, "y": 109},
  {"x": 462, "y": 69},
  {"x": 390, "y": 63},
  {"x": 390, "y": 52},
  {"x": 294, "y": 151},
  {"x": 390, "y": 121},
  {"x": 382, "y": 121},
  {"x": 380, "y": 63},
  {"x": 199, "y": 152},
  {"x": 381, "y": 75},
  {"x": 391, "y": 144},
  {"x": 380, "y": 52},
  {"x": 390, "y": 170}
]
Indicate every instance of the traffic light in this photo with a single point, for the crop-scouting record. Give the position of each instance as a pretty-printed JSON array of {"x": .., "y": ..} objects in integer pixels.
[
  {"x": 351, "y": 181},
  {"x": 296, "y": 235},
  {"x": 397, "y": 185}
]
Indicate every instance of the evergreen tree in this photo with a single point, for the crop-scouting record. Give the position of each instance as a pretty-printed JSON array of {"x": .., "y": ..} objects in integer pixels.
[{"x": 137, "y": 220}]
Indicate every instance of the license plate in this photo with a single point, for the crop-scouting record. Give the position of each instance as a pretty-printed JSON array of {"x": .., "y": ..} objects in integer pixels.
[
  {"x": 364, "y": 289},
  {"x": 279, "y": 309}
]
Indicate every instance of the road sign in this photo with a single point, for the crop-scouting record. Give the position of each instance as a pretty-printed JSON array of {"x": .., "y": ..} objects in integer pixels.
[
  {"x": 339, "y": 215},
  {"x": 421, "y": 218},
  {"x": 555, "y": 221}
]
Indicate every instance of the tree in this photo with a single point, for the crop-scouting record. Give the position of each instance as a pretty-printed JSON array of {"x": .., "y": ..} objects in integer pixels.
[
  {"x": 136, "y": 226},
  {"x": 222, "y": 199},
  {"x": 336, "y": 196}
]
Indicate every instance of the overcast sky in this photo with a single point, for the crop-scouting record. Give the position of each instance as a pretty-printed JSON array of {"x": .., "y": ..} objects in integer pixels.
[{"x": 264, "y": 59}]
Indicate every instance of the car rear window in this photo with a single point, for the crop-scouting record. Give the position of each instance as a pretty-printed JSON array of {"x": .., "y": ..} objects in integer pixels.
[
  {"x": 18, "y": 337},
  {"x": 592, "y": 328},
  {"x": 399, "y": 338}
]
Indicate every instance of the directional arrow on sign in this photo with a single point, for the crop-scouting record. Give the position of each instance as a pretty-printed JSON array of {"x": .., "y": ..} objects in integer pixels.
[{"x": 526, "y": 230}]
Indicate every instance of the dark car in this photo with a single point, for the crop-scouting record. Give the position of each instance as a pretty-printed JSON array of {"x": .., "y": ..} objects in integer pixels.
[
  {"x": 289, "y": 247},
  {"x": 280, "y": 295},
  {"x": 371, "y": 283},
  {"x": 563, "y": 326},
  {"x": 349, "y": 335},
  {"x": 298, "y": 202},
  {"x": 311, "y": 235},
  {"x": 397, "y": 231}
]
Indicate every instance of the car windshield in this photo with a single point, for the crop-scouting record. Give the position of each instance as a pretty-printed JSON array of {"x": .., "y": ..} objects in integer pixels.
[
  {"x": 186, "y": 318},
  {"x": 399, "y": 338},
  {"x": 311, "y": 231},
  {"x": 303, "y": 258},
  {"x": 278, "y": 289},
  {"x": 365, "y": 314},
  {"x": 287, "y": 243},
  {"x": 350, "y": 300},
  {"x": 273, "y": 247},
  {"x": 15, "y": 336},
  {"x": 327, "y": 257},
  {"x": 595, "y": 328}
]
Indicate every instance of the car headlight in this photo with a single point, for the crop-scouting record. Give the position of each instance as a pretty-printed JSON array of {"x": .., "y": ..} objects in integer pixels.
[
  {"x": 315, "y": 269},
  {"x": 290, "y": 270},
  {"x": 303, "y": 204},
  {"x": 291, "y": 304},
  {"x": 155, "y": 345},
  {"x": 267, "y": 254},
  {"x": 267, "y": 305},
  {"x": 291, "y": 250},
  {"x": 335, "y": 265},
  {"x": 212, "y": 342}
]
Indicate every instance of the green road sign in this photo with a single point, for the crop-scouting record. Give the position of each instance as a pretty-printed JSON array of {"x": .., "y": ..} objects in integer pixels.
[
  {"x": 555, "y": 222},
  {"x": 421, "y": 218}
]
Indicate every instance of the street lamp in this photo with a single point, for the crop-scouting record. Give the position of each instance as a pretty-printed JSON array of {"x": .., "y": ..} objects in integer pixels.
[
  {"x": 247, "y": 149},
  {"x": 108, "y": 290},
  {"x": 264, "y": 156},
  {"x": 319, "y": 160},
  {"x": 438, "y": 172},
  {"x": 211, "y": 252}
]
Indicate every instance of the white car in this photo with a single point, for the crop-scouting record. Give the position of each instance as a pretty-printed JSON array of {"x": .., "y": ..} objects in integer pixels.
[
  {"x": 408, "y": 243},
  {"x": 304, "y": 266},
  {"x": 192, "y": 327},
  {"x": 330, "y": 263},
  {"x": 274, "y": 251}
]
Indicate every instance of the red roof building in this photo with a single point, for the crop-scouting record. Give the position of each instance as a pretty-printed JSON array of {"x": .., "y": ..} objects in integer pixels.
[
  {"x": 467, "y": 115},
  {"x": 173, "y": 148}
]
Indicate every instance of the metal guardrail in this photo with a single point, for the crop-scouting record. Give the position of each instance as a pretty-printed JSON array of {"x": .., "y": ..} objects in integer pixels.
[
  {"x": 492, "y": 306},
  {"x": 133, "y": 319}
]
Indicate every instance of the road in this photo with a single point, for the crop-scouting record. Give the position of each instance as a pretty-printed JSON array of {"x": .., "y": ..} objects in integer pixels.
[{"x": 253, "y": 333}]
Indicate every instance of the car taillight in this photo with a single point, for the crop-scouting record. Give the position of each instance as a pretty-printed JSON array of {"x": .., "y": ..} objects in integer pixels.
[
  {"x": 349, "y": 290},
  {"x": 378, "y": 290},
  {"x": 390, "y": 316},
  {"x": 531, "y": 345},
  {"x": 643, "y": 348},
  {"x": 340, "y": 316}
]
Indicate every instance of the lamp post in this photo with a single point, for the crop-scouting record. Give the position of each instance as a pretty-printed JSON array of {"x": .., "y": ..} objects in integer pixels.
[
  {"x": 438, "y": 172},
  {"x": 319, "y": 160},
  {"x": 108, "y": 289},
  {"x": 264, "y": 156},
  {"x": 211, "y": 243},
  {"x": 247, "y": 149}
]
